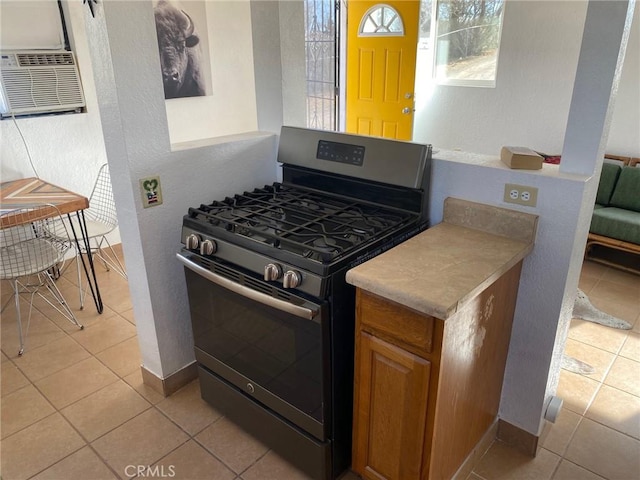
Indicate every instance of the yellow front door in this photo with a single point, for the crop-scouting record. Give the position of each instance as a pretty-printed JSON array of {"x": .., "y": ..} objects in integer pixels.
[{"x": 381, "y": 56}]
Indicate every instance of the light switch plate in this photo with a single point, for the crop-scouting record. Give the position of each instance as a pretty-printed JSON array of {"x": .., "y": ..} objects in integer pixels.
[{"x": 151, "y": 191}]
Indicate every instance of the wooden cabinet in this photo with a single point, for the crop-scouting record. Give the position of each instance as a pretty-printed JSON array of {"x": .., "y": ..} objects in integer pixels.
[
  {"x": 393, "y": 390},
  {"x": 427, "y": 390}
]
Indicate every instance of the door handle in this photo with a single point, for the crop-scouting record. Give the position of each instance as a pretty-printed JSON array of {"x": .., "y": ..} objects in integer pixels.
[
  {"x": 407, "y": 110},
  {"x": 297, "y": 310}
]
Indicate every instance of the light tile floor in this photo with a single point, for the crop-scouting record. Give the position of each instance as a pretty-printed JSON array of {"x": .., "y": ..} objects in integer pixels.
[
  {"x": 74, "y": 405},
  {"x": 597, "y": 433}
]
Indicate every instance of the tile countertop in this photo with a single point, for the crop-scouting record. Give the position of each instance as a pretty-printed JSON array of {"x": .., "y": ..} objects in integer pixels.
[{"x": 439, "y": 270}]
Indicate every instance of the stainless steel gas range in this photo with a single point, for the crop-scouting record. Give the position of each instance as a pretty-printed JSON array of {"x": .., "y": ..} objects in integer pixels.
[{"x": 272, "y": 315}]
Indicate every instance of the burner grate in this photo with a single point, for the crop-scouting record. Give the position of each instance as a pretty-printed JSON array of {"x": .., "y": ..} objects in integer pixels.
[{"x": 311, "y": 224}]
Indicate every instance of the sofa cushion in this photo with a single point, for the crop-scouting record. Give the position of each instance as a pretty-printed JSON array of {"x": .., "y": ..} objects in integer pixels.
[
  {"x": 616, "y": 223},
  {"x": 608, "y": 177},
  {"x": 626, "y": 193}
]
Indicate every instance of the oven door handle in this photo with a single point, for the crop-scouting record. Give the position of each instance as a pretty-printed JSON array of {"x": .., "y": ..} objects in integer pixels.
[{"x": 247, "y": 292}]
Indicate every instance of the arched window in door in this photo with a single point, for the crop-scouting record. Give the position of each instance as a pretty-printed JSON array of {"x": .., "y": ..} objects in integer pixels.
[{"x": 382, "y": 20}]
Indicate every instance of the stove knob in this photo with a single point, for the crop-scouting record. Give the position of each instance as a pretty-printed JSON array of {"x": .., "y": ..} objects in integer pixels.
[
  {"x": 272, "y": 271},
  {"x": 192, "y": 241},
  {"x": 208, "y": 247},
  {"x": 291, "y": 279}
]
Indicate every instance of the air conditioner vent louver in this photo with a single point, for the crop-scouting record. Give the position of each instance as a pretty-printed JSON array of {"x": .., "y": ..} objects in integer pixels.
[
  {"x": 39, "y": 82},
  {"x": 45, "y": 59}
]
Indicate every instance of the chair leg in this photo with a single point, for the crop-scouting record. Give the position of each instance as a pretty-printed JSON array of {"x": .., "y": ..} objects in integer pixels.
[
  {"x": 55, "y": 292},
  {"x": 16, "y": 294},
  {"x": 15, "y": 286},
  {"x": 80, "y": 289},
  {"x": 110, "y": 260},
  {"x": 96, "y": 251},
  {"x": 78, "y": 262}
]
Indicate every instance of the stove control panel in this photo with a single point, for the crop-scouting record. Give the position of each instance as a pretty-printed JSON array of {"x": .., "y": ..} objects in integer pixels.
[
  {"x": 267, "y": 268},
  {"x": 340, "y": 152}
]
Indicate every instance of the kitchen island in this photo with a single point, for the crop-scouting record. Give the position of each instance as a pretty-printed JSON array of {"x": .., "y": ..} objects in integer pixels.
[{"x": 433, "y": 323}]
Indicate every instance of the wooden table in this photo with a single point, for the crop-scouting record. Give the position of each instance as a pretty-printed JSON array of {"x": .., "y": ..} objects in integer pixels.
[{"x": 33, "y": 192}]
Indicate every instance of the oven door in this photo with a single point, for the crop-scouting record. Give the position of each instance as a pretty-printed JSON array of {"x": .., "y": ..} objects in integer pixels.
[{"x": 270, "y": 344}]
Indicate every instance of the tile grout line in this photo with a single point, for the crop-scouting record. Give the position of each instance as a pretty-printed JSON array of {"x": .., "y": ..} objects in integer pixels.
[
  {"x": 58, "y": 411},
  {"x": 199, "y": 443},
  {"x": 73, "y": 427},
  {"x": 601, "y": 382},
  {"x": 582, "y": 416},
  {"x": 238, "y": 476},
  {"x": 87, "y": 442}
]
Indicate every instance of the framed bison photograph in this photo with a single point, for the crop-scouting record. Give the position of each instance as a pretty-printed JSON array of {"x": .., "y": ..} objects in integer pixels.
[{"x": 183, "y": 48}]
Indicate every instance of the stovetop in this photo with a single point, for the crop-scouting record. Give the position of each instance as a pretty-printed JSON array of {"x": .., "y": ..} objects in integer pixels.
[
  {"x": 314, "y": 226},
  {"x": 343, "y": 199}
]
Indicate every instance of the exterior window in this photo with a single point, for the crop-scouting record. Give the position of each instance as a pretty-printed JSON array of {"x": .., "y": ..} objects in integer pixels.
[
  {"x": 381, "y": 19},
  {"x": 465, "y": 35},
  {"x": 320, "y": 54}
]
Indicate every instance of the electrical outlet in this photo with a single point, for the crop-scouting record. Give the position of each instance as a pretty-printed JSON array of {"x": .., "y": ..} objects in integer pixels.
[
  {"x": 151, "y": 191},
  {"x": 520, "y": 194}
]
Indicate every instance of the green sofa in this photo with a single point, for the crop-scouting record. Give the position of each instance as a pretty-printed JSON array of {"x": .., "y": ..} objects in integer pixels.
[{"x": 615, "y": 222}]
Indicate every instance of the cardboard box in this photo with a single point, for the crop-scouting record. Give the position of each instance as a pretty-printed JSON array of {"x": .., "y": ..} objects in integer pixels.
[{"x": 521, "y": 157}]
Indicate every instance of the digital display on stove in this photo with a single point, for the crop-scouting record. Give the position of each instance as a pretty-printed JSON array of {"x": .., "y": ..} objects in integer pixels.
[{"x": 340, "y": 152}]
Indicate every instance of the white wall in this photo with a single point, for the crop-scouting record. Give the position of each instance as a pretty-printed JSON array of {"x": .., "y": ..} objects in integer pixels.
[
  {"x": 31, "y": 25},
  {"x": 565, "y": 202},
  {"x": 294, "y": 72},
  {"x": 624, "y": 136},
  {"x": 481, "y": 178},
  {"x": 65, "y": 149},
  {"x": 138, "y": 144},
  {"x": 530, "y": 103},
  {"x": 231, "y": 108},
  {"x": 68, "y": 149}
]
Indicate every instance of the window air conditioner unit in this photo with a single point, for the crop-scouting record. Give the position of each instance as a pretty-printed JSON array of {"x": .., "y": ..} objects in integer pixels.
[{"x": 39, "y": 82}]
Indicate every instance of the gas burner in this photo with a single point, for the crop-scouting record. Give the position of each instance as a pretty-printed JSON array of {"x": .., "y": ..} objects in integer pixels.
[
  {"x": 322, "y": 249},
  {"x": 276, "y": 214},
  {"x": 306, "y": 205},
  {"x": 326, "y": 244},
  {"x": 354, "y": 237},
  {"x": 313, "y": 225}
]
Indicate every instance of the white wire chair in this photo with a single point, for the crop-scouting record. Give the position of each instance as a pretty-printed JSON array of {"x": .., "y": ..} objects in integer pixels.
[
  {"x": 30, "y": 258},
  {"x": 101, "y": 220}
]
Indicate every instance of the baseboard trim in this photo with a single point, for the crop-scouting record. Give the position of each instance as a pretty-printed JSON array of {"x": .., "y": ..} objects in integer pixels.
[
  {"x": 477, "y": 453},
  {"x": 172, "y": 383},
  {"x": 518, "y": 438}
]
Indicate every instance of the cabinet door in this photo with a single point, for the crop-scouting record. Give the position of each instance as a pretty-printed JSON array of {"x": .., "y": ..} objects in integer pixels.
[{"x": 390, "y": 409}]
